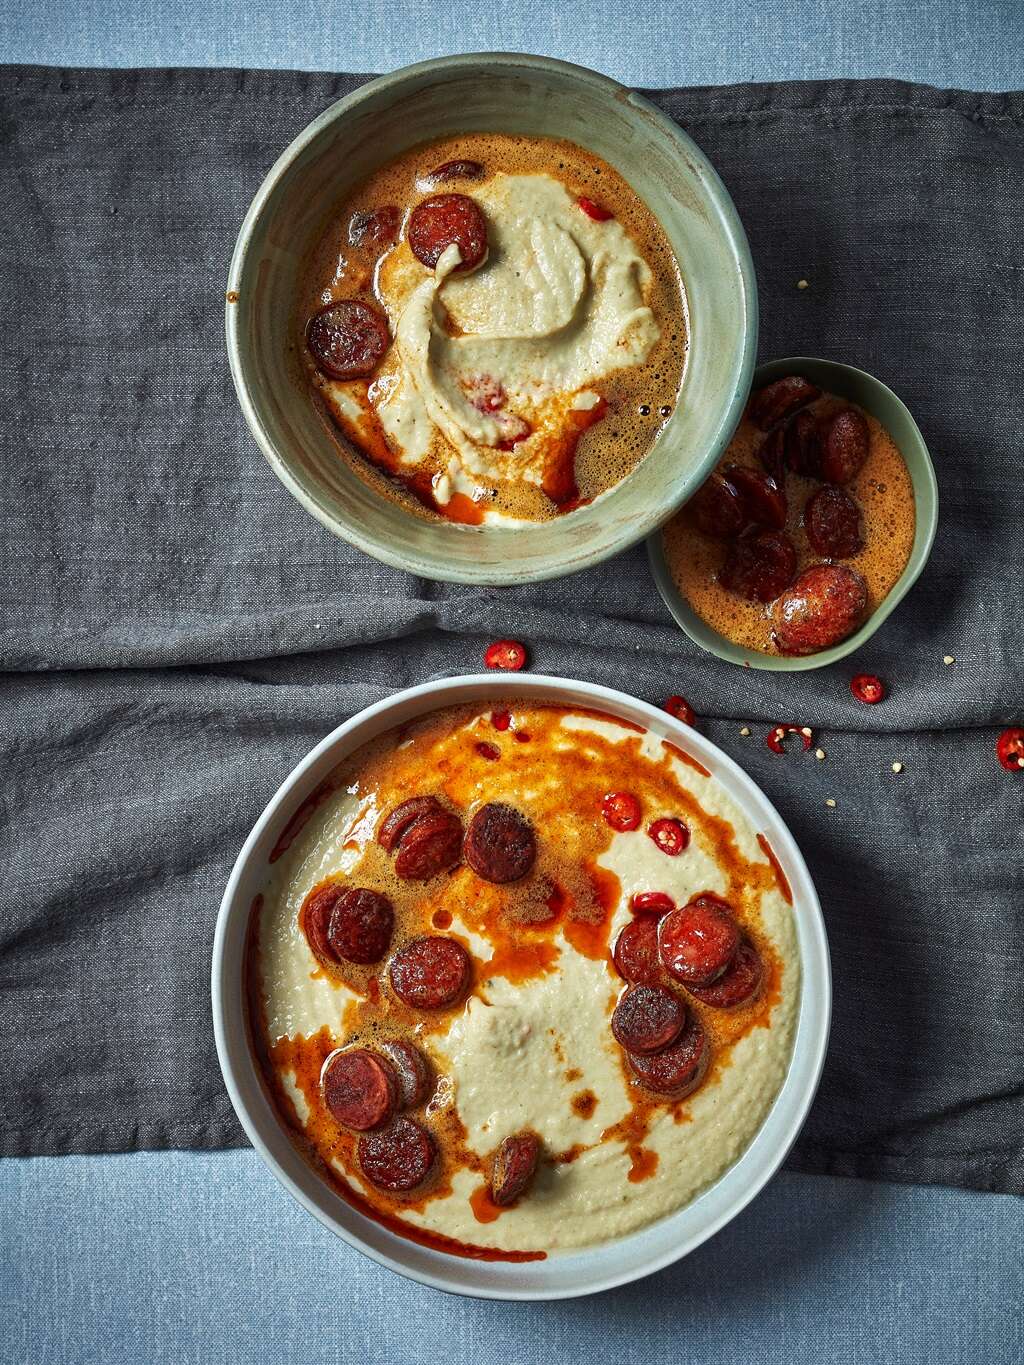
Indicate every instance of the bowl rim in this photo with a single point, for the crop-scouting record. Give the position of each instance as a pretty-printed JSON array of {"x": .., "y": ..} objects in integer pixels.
[
  {"x": 638, "y": 527},
  {"x": 924, "y": 538},
  {"x": 787, "y": 1113}
]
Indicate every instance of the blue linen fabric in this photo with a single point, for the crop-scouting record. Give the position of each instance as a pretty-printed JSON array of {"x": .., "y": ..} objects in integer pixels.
[{"x": 201, "y": 1257}]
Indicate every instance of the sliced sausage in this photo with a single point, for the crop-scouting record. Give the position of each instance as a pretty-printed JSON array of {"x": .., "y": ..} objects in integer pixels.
[
  {"x": 500, "y": 844},
  {"x": 430, "y": 845},
  {"x": 398, "y": 1158},
  {"x": 360, "y": 925},
  {"x": 825, "y": 605},
  {"x": 777, "y": 402},
  {"x": 360, "y": 1089},
  {"x": 397, "y": 821},
  {"x": 378, "y": 227},
  {"x": 647, "y": 1018},
  {"x": 412, "y": 1070},
  {"x": 772, "y": 454},
  {"x": 454, "y": 170},
  {"x": 763, "y": 500},
  {"x": 698, "y": 941},
  {"x": 677, "y": 1070},
  {"x": 636, "y": 951},
  {"x": 430, "y": 973},
  {"x": 437, "y": 223},
  {"x": 832, "y": 522},
  {"x": 759, "y": 566},
  {"x": 348, "y": 339},
  {"x": 315, "y": 918},
  {"x": 513, "y": 1168},
  {"x": 739, "y": 983},
  {"x": 844, "y": 445},
  {"x": 718, "y": 508},
  {"x": 803, "y": 446}
]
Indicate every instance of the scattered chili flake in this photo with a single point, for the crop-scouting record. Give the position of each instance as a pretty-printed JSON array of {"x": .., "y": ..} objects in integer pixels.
[
  {"x": 776, "y": 736},
  {"x": 897, "y": 767},
  {"x": 801, "y": 284},
  {"x": 670, "y": 835},
  {"x": 488, "y": 751},
  {"x": 595, "y": 211},
  {"x": 501, "y": 720},
  {"x": 745, "y": 731},
  {"x": 681, "y": 709},
  {"x": 522, "y": 736},
  {"x": 948, "y": 659},
  {"x": 1010, "y": 748},
  {"x": 830, "y": 801},
  {"x": 867, "y": 688},
  {"x": 819, "y": 753},
  {"x": 622, "y": 810},
  {"x": 509, "y": 655},
  {"x": 651, "y": 903}
]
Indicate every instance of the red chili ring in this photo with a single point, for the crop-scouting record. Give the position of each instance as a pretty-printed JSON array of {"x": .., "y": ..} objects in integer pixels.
[
  {"x": 670, "y": 835},
  {"x": 681, "y": 709},
  {"x": 651, "y": 903},
  {"x": 501, "y": 720},
  {"x": 867, "y": 688},
  {"x": 509, "y": 655},
  {"x": 489, "y": 751},
  {"x": 622, "y": 810},
  {"x": 597, "y": 212},
  {"x": 1010, "y": 749},
  {"x": 776, "y": 736}
]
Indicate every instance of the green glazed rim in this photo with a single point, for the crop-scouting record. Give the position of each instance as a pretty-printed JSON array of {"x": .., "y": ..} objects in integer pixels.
[{"x": 880, "y": 401}]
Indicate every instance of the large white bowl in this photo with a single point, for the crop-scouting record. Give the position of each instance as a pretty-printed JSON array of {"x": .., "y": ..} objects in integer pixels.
[{"x": 563, "y": 1274}]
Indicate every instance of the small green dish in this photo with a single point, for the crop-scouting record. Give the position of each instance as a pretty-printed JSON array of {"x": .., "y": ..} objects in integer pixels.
[{"x": 879, "y": 400}]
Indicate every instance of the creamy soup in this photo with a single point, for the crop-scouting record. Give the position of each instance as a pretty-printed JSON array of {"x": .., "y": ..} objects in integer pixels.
[
  {"x": 498, "y": 327},
  {"x": 625, "y": 1086}
]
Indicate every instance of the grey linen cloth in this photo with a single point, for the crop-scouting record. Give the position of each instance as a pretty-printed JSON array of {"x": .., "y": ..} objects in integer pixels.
[{"x": 177, "y": 632}]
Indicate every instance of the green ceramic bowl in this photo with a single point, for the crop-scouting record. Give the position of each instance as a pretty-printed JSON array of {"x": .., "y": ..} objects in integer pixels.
[
  {"x": 497, "y": 92},
  {"x": 882, "y": 403}
]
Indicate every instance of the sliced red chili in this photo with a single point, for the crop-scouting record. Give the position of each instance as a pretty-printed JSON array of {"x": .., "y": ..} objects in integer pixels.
[
  {"x": 488, "y": 751},
  {"x": 867, "y": 688},
  {"x": 593, "y": 210},
  {"x": 501, "y": 720},
  {"x": 651, "y": 903},
  {"x": 509, "y": 655},
  {"x": 670, "y": 835},
  {"x": 776, "y": 737},
  {"x": 622, "y": 810},
  {"x": 681, "y": 709},
  {"x": 1010, "y": 749}
]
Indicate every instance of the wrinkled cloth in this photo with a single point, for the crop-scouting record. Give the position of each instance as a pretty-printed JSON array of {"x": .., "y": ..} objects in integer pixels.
[{"x": 177, "y": 632}]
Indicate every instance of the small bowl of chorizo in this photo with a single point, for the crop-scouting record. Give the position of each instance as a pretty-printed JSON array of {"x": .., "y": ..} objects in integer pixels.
[
  {"x": 812, "y": 528},
  {"x": 492, "y": 318}
]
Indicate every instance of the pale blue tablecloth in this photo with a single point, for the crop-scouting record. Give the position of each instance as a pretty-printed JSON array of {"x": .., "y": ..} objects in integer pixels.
[{"x": 182, "y": 1257}]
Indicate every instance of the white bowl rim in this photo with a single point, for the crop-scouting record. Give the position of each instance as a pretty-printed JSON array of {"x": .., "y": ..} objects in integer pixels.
[
  {"x": 810, "y": 1044},
  {"x": 642, "y": 526}
]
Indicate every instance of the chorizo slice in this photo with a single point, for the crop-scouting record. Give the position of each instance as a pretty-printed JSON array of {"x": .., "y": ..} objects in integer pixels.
[
  {"x": 698, "y": 941},
  {"x": 763, "y": 500},
  {"x": 759, "y": 566},
  {"x": 431, "y": 972},
  {"x": 844, "y": 443},
  {"x": 445, "y": 220},
  {"x": 397, "y": 821},
  {"x": 513, "y": 1167},
  {"x": 315, "y": 919},
  {"x": 413, "y": 1072},
  {"x": 636, "y": 951},
  {"x": 361, "y": 924},
  {"x": 825, "y": 605},
  {"x": 360, "y": 1089},
  {"x": 677, "y": 1070},
  {"x": 500, "y": 844},
  {"x": 647, "y": 1018},
  {"x": 718, "y": 508},
  {"x": 397, "y": 1158},
  {"x": 833, "y": 524},
  {"x": 739, "y": 983},
  {"x": 462, "y": 169},
  {"x": 347, "y": 339},
  {"x": 777, "y": 402},
  {"x": 430, "y": 845}
]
